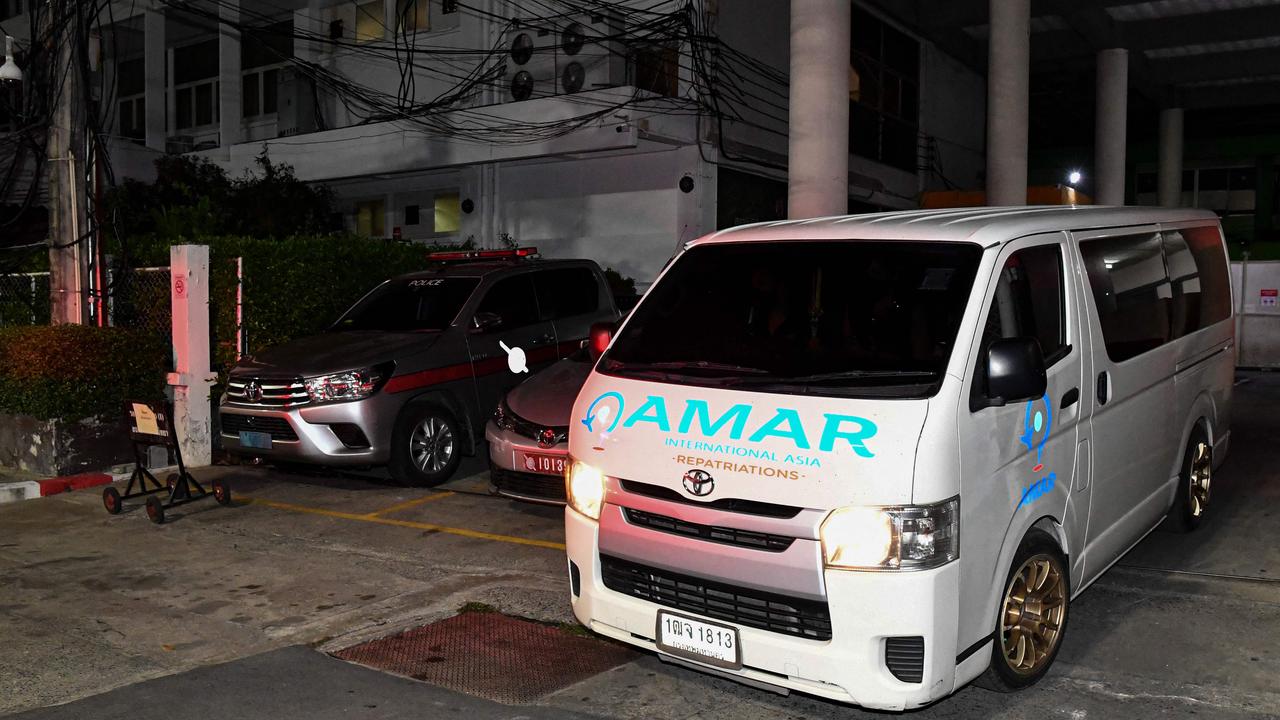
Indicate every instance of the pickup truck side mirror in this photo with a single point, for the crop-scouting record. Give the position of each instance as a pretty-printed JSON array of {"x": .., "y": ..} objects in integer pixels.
[
  {"x": 485, "y": 321},
  {"x": 1015, "y": 371},
  {"x": 599, "y": 338}
]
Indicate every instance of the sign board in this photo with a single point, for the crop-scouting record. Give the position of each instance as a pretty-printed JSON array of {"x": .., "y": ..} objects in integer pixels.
[
  {"x": 179, "y": 288},
  {"x": 149, "y": 422},
  {"x": 1268, "y": 296}
]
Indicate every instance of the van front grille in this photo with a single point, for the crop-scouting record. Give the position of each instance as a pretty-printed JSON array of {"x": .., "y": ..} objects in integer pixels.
[
  {"x": 711, "y": 533},
  {"x": 267, "y": 392},
  {"x": 808, "y": 619}
]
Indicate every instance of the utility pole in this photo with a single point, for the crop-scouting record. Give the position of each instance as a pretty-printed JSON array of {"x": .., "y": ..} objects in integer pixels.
[{"x": 67, "y": 218}]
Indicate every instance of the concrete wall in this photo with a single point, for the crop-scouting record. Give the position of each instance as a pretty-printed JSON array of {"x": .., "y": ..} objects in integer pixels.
[{"x": 953, "y": 110}]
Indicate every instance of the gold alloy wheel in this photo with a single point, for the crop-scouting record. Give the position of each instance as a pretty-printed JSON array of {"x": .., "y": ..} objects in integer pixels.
[
  {"x": 1201, "y": 478},
  {"x": 1034, "y": 608}
]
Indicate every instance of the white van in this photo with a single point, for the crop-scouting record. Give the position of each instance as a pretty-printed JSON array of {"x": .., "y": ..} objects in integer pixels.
[{"x": 871, "y": 458}]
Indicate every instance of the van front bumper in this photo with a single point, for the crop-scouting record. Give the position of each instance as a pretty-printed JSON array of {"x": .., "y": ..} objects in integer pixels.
[
  {"x": 867, "y": 609},
  {"x": 350, "y": 434}
]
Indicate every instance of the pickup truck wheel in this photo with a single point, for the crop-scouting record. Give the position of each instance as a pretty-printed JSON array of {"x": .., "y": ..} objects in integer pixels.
[
  {"x": 425, "y": 446},
  {"x": 1032, "y": 617}
]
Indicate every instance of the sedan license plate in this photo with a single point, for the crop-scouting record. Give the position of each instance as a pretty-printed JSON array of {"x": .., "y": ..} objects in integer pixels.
[
  {"x": 541, "y": 464},
  {"x": 698, "y": 640},
  {"x": 256, "y": 440}
]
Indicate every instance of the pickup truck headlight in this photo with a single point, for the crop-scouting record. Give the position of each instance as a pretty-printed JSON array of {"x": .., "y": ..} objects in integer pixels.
[
  {"x": 349, "y": 385},
  {"x": 584, "y": 486},
  {"x": 908, "y": 537}
]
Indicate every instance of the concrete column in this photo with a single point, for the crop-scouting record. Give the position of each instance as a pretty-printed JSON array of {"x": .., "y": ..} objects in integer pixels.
[
  {"x": 1110, "y": 116},
  {"x": 1170, "y": 182},
  {"x": 818, "y": 142},
  {"x": 229, "y": 94},
  {"x": 192, "y": 379},
  {"x": 1008, "y": 83},
  {"x": 155, "y": 61}
]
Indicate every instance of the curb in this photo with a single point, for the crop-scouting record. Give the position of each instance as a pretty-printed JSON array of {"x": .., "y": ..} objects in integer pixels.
[{"x": 29, "y": 489}]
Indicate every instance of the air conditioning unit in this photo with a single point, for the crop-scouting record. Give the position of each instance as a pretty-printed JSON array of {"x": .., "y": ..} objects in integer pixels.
[
  {"x": 590, "y": 54},
  {"x": 531, "y": 60},
  {"x": 295, "y": 103}
]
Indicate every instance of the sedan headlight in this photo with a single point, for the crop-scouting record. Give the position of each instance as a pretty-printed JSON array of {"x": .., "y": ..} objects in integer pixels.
[
  {"x": 584, "y": 486},
  {"x": 349, "y": 385},
  {"x": 909, "y": 537}
]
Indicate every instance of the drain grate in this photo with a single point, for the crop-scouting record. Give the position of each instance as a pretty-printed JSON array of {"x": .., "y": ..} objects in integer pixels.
[{"x": 491, "y": 655}]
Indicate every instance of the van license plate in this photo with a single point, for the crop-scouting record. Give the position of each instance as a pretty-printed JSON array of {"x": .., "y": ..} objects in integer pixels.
[
  {"x": 542, "y": 464},
  {"x": 256, "y": 440},
  {"x": 698, "y": 640}
]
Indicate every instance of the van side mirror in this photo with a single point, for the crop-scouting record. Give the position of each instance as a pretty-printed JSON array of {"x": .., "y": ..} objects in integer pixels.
[
  {"x": 1015, "y": 371},
  {"x": 599, "y": 338},
  {"x": 486, "y": 321}
]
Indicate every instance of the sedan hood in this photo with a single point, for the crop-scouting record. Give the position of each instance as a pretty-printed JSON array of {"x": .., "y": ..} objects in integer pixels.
[
  {"x": 334, "y": 352},
  {"x": 547, "y": 397}
]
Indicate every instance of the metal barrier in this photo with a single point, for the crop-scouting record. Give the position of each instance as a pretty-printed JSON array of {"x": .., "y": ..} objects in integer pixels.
[
  {"x": 24, "y": 299},
  {"x": 1256, "y": 288}
]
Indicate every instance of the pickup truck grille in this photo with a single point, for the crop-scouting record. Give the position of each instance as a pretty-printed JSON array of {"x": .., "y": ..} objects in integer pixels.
[{"x": 267, "y": 392}]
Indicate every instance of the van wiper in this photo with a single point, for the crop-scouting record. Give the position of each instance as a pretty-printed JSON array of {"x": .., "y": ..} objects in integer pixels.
[
  {"x": 696, "y": 365},
  {"x": 840, "y": 376}
]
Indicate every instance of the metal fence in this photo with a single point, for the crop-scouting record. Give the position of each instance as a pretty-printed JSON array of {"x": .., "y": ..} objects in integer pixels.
[
  {"x": 24, "y": 299},
  {"x": 139, "y": 298}
]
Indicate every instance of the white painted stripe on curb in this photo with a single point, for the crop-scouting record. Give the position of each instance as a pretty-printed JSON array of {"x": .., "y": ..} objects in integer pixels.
[{"x": 15, "y": 491}]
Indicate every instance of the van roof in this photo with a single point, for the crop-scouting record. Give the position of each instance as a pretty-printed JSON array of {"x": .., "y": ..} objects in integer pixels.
[{"x": 987, "y": 226}]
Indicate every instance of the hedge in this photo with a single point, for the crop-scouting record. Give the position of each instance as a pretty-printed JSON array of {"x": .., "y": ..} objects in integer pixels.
[
  {"x": 293, "y": 287},
  {"x": 70, "y": 372}
]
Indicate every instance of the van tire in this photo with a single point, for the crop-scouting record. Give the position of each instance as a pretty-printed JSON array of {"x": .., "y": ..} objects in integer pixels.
[
  {"x": 423, "y": 432},
  {"x": 1195, "y": 481},
  {"x": 1037, "y": 550}
]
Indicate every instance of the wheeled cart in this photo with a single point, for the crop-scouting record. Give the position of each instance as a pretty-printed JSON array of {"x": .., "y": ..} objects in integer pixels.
[{"x": 150, "y": 426}]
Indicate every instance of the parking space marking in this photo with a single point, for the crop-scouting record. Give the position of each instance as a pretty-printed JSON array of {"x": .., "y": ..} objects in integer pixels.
[
  {"x": 463, "y": 532},
  {"x": 410, "y": 503}
]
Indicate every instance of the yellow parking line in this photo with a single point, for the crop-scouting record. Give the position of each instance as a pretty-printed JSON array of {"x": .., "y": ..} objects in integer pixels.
[
  {"x": 410, "y": 503},
  {"x": 407, "y": 523}
]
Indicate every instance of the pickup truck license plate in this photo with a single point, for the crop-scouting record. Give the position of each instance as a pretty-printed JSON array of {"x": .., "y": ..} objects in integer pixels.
[
  {"x": 257, "y": 440},
  {"x": 541, "y": 464},
  {"x": 698, "y": 640}
]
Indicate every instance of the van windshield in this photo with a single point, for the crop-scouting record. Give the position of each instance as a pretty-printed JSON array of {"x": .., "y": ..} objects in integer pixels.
[
  {"x": 409, "y": 305},
  {"x": 832, "y": 318}
]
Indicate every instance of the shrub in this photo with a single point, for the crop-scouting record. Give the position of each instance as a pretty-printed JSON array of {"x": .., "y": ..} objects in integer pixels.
[{"x": 70, "y": 372}]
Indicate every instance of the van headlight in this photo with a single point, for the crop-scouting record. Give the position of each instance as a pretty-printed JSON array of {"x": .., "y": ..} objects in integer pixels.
[
  {"x": 908, "y": 537},
  {"x": 584, "y": 485}
]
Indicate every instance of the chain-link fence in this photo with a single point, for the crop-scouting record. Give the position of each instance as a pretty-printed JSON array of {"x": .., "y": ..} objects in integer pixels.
[
  {"x": 138, "y": 298},
  {"x": 24, "y": 299}
]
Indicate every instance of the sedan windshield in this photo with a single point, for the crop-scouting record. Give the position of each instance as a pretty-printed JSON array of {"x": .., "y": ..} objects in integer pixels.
[
  {"x": 842, "y": 318},
  {"x": 409, "y": 305}
]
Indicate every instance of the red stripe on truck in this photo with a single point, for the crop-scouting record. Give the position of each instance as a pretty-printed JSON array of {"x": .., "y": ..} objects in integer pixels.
[{"x": 488, "y": 366}]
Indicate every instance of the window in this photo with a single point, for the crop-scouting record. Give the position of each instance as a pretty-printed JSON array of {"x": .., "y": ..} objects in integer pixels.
[
  {"x": 654, "y": 68},
  {"x": 195, "y": 74},
  {"x": 411, "y": 214},
  {"x": 370, "y": 23},
  {"x": 371, "y": 218},
  {"x": 409, "y": 305},
  {"x": 1198, "y": 279},
  {"x": 413, "y": 16},
  {"x": 568, "y": 292},
  {"x": 1132, "y": 292},
  {"x": 884, "y": 78},
  {"x": 513, "y": 300},
  {"x": 259, "y": 90},
  {"x": 833, "y": 318},
  {"x": 263, "y": 51},
  {"x": 1028, "y": 301},
  {"x": 448, "y": 213},
  {"x": 132, "y": 118}
]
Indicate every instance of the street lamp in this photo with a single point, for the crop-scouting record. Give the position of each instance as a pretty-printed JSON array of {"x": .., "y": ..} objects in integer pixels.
[
  {"x": 1073, "y": 178},
  {"x": 10, "y": 69}
]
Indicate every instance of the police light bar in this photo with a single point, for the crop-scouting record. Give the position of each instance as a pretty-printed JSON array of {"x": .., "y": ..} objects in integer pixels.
[{"x": 483, "y": 254}]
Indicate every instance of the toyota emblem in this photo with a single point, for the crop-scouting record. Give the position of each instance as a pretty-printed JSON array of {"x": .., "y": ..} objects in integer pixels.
[
  {"x": 699, "y": 483},
  {"x": 547, "y": 438},
  {"x": 252, "y": 391}
]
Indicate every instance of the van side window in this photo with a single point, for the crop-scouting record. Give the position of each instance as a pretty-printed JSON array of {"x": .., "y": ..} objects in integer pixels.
[
  {"x": 567, "y": 292},
  {"x": 1198, "y": 276},
  {"x": 1132, "y": 292},
  {"x": 513, "y": 300},
  {"x": 1028, "y": 301}
]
